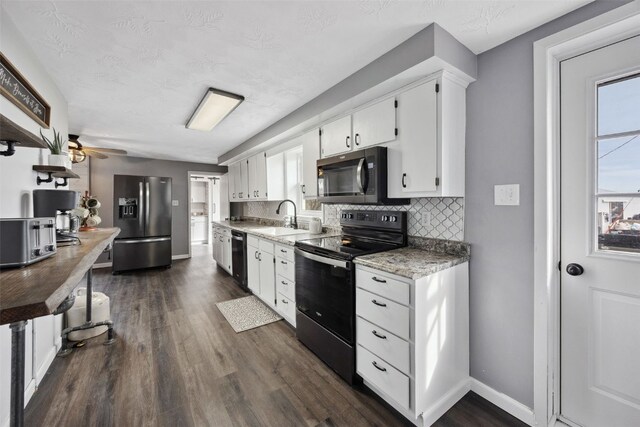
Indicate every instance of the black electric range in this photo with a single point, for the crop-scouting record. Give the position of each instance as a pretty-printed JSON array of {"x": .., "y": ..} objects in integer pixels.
[{"x": 325, "y": 283}]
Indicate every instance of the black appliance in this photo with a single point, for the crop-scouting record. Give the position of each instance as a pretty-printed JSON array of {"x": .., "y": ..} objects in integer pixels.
[
  {"x": 325, "y": 283},
  {"x": 142, "y": 211},
  {"x": 239, "y": 258},
  {"x": 57, "y": 204},
  {"x": 359, "y": 177}
]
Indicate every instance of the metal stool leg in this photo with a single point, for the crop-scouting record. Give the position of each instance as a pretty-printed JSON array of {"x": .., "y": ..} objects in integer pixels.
[{"x": 17, "y": 373}]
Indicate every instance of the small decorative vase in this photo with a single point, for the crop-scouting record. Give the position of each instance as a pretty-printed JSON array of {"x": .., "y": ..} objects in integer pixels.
[{"x": 58, "y": 160}]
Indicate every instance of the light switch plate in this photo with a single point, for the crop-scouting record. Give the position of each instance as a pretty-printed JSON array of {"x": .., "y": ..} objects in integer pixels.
[
  {"x": 506, "y": 195},
  {"x": 175, "y": 203}
]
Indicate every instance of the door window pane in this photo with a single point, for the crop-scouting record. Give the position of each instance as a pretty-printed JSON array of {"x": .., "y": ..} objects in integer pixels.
[
  {"x": 619, "y": 106},
  {"x": 619, "y": 164},
  {"x": 618, "y": 223}
]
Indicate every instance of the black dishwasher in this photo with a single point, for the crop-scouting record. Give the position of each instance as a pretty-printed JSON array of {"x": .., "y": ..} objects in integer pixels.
[{"x": 239, "y": 258}]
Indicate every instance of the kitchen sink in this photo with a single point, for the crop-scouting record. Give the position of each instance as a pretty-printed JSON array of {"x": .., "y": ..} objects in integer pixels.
[{"x": 278, "y": 231}]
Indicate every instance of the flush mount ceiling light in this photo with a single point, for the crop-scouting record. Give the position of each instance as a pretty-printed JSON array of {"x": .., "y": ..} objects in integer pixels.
[{"x": 214, "y": 107}]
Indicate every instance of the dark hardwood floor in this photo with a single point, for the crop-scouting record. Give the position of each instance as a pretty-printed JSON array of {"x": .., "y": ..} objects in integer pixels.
[{"x": 177, "y": 362}]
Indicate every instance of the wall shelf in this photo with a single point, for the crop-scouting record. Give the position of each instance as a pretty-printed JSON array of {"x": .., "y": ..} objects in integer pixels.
[
  {"x": 55, "y": 172},
  {"x": 13, "y": 135}
]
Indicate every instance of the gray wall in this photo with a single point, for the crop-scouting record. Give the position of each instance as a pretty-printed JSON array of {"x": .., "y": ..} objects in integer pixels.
[
  {"x": 102, "y": 172},
  {"x": 500, "y": 151}
]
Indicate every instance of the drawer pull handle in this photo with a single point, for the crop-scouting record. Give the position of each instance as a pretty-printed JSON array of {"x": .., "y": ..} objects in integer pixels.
[
  {"x": 379, "y": 304},
  {"x": 283, "y": 282},
  {"x": 380, "y": 368},
  {"x": 284, "y": 301},
  {"x": 382, "y": 337},
  {"x": 283, "y": 262},
  {"x": 375, "y": 279},
  {"x": 283, "y": 251}
]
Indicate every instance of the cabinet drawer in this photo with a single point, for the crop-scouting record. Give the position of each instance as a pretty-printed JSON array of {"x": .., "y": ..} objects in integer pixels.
[
  {"x": 287, "y": 308},
  {"x": 266, "y": 246},
  {"x": 382, "y": 284},
  {"x": 285, "y": 252},
  {"x": 286, "y": 268},
  {"x": 286, "y": 287},
  {"x": 253, "y": 241},
  {"x": 384, "y": 344},
  {"x": 383, "y": 312},
  {"x": 384, "y": 376}
]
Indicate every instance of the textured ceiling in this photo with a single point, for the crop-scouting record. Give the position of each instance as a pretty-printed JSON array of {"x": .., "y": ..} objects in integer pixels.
[{"x": 133, "y": 72}]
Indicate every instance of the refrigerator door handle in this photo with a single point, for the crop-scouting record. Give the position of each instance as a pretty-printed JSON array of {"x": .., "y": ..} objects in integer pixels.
[
  {"x": 140, "y": 195},
  {"x": 146, "y": 207}
]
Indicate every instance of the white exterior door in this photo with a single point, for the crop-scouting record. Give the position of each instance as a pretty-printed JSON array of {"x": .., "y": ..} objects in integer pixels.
[{"x": 600, "y": 236}]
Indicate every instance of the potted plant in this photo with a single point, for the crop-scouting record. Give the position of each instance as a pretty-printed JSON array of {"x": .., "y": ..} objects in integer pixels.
[{"x": 57, "y": 156}]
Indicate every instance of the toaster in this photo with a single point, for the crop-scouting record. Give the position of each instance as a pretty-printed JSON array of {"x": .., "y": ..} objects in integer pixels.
[{"x": 24, "y": 241}]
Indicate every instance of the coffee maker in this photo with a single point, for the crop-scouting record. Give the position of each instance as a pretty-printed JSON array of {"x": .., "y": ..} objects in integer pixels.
[{"x": 58, "y": 204}]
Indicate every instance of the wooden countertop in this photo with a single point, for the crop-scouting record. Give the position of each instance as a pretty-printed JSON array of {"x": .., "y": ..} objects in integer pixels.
[{"x": 37, "y": 290}]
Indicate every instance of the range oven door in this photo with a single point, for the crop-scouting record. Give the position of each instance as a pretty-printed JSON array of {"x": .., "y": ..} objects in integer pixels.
[{"x": 325, "y": 292}]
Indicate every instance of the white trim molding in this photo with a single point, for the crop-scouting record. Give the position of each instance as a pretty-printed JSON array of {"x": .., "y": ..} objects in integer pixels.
[
  {"x": 610, "y": 27},
  {"x": 502, "y": 401}
]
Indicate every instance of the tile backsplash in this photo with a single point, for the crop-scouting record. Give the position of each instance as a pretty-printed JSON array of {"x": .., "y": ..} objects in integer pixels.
[{"x": 447, "y": 215}]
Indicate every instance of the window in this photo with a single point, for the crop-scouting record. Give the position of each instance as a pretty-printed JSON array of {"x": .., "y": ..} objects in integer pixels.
[{"x": 293, "y": 180}]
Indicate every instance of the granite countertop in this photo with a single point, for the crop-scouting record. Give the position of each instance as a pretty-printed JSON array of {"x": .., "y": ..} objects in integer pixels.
[
  {"x": 253, "y": 228},
  {"x": 422, "y": 258}
]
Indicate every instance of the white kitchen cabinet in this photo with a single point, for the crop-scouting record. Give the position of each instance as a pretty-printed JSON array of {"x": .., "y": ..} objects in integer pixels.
[
  {"x": 257, "y": 181},
  {"x": 232, "y": 174},
  {"x": 285, "y": 283},
  {"x": 310, "y": 154},
  {"x": 261, "y": 269},
  {"x": 222, "y": 251},
  {"x": 374, "y": 124},
  {"x": 275, "y": 177},
  {"x": 428, "y": 157},
  {"x": 412, "y": 339},
  {"x": 335, "y": 137},
  {"x": 198, "y": 192},
  {"x": 199, "y": 228},
  {"x": 227, "y": 251},
  {"x": 243, "y": 187}
]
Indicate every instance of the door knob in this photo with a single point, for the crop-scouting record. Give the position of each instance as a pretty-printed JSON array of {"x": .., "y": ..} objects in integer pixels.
[{"x": 574, "y": 269}]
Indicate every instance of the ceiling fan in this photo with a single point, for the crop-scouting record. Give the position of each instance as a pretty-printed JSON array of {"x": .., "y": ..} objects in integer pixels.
[{"x": 78, "y": 152}]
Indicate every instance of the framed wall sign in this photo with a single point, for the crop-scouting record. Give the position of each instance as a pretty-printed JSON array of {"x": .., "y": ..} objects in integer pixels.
[{"x": 17, "y": 89}]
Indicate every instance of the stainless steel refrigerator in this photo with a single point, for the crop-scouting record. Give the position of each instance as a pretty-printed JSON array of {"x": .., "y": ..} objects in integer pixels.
[{"x": 142, "y": 210}]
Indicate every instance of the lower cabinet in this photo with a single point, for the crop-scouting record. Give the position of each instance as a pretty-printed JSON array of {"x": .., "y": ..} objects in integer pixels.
[
  {"x": 286, "y": 283},
  {"x": 413, "y": 339},
  {"x": 221, "y": 248},
  {"x": 261, "y": 269}
]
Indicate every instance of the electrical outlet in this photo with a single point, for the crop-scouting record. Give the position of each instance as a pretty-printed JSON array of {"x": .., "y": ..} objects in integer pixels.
[
  {"x": 506, "y": 195},
  {"x": 425, "y": 219},
  {"x": 175, "y": 203}
]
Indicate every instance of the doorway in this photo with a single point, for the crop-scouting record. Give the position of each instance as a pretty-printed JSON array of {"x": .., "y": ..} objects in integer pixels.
[
  {"x": 204, "y": 206},
  {"x": 600, "y": 236}
]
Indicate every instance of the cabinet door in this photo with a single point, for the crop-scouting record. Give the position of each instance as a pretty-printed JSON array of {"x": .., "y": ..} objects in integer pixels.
[
  {"x": 418, "y": 136},
  {"x": 267, "y": 279},
  {"x": 252, "y": 180},
  {"x": 228, "y": 253},
  {"x": 253, "y": 269},
  {"x": 260, "y": 161},
  {"x": 336, "y": 137},
  {"x": 243, "y": 187},
  {"x": 375, "y": 124},
  {"x": 310, "y": 155},
  {"x": 232, "y": 182},
  {"x": 275, "y": 177}
]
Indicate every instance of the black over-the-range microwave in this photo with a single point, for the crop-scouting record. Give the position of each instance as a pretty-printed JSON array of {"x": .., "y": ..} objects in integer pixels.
[{"x": 359, "y": 177}]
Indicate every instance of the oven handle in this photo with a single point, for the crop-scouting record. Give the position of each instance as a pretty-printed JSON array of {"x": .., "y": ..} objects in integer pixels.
[{"x": 321, "y": 259}]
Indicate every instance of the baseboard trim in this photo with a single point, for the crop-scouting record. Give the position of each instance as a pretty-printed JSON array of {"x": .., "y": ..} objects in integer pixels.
[
  {"x": 42, "y": 371},
  {"x": 445, "y": 403},
  {"x": 110, "y": 264},
  {"x": 504, "y": 402}
]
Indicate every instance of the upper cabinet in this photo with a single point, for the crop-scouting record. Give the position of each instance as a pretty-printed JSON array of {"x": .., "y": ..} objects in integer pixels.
[
  {"x": 428, "y": 157},
  {"x": 375, "y": 124},
  {"x": 372, "y": 125},
  {"x": 335, "y": 137},
  {"x": 257, "y": 170},
  {"x": 310, "y": 142}
]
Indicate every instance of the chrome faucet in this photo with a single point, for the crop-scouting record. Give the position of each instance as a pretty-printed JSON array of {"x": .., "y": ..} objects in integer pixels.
[{"x": 294, "y": 223}]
